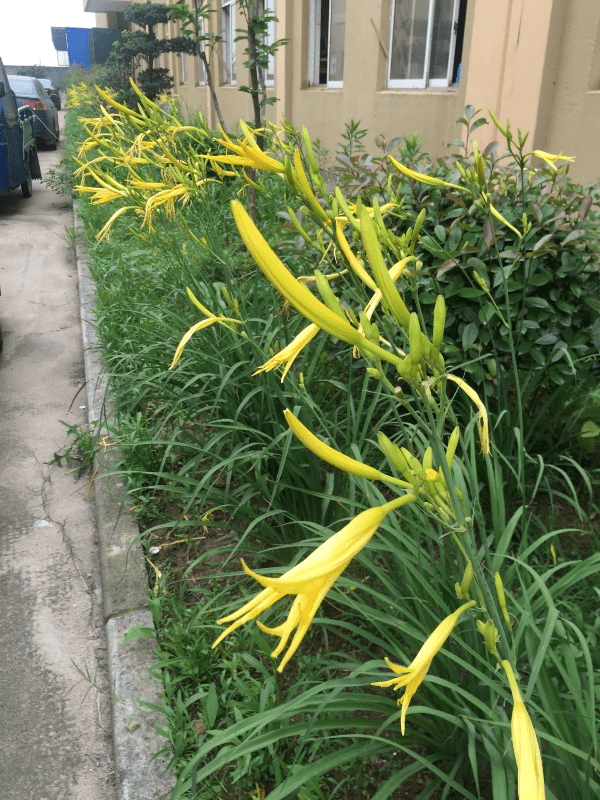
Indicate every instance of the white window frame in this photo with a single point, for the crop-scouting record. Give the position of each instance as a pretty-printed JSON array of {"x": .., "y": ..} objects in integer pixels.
[
  {"x": 314, "y": 46},
  {"x": 228, "y": 44},
  {"x": 425, "y": 82}
]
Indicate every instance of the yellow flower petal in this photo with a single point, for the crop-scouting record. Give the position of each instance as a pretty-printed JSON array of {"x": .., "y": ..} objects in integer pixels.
[
  {"x": 422, "y": 178},
  {"x": 482, "y": 421},
  {"x": 525, "y": 745},
  {"x": 289, "y": 353},
  {"x": 310, "y": 580},
  {"x": 334, "y": 457},
  {"x": 295, "y": 292},
  {"x": 412, "y": 676}
]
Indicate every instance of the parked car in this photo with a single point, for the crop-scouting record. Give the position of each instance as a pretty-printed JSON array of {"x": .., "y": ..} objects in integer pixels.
[
  {"x": 19, "y": 162},
  {"x": 53, "y": 93},
  {"x": 30, "y": 92}
]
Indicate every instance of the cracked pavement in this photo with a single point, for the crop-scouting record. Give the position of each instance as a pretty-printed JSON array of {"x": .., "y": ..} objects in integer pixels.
[{"x": 54, "y": 698}]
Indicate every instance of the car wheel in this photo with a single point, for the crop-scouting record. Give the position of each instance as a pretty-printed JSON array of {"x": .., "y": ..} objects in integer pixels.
[
  {"x": 51, "y": 145},
  {"x": 27, "y": 184}
]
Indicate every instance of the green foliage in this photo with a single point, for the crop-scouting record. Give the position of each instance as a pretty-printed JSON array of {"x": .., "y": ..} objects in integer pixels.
[
  {"x": 208, "y": 436},
  {"x": 80, "y": 450}
]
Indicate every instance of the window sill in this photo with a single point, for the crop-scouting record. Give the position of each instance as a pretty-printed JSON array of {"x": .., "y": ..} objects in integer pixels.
[{"x": 448, "y": 90}]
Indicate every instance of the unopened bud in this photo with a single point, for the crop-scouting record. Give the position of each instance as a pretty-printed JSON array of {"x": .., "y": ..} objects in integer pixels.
[{"x": 490, "y": 635}]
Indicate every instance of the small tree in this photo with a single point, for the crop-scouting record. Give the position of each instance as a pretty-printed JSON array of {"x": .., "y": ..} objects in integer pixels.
[
  {"x": 258, "y": 52},
  {"x": 193, "y": 29},
  {"x": 143, "y": 45}
]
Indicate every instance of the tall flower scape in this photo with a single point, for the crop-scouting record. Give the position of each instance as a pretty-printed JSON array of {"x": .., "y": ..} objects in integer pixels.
[{"x": 370, "y": 303}]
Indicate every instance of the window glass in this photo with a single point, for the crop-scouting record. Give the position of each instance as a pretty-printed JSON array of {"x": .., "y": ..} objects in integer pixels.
[
  {"x": 409, "y": 39},
  {"x": 441, "y": 38},
  {"x": 425, "y": 42},
  {"x": 327, "y": 25},
  {"x": 337, "y": 28},
  {"x": 228, "y": 43}
]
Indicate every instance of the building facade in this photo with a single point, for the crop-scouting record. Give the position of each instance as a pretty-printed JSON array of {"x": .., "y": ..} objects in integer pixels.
[{"x": 406, "y": 66}]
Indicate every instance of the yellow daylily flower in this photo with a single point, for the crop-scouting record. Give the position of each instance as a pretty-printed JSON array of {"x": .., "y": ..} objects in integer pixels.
[
  {"x": 412, "y": 676},
  {"x": 289, "y": 353},
  {"x": 551, "y": 159},
  {"x": 104, "y": 232},
  {"x": 310, "y": 580},
  {"x": 205, "y": 323},
  {"x": 525, "y": 745},
  {"x": 483, "y": 426},
  {"x": 247, "y": 154},
  {"x": 295, "y": 292},
  {"x": 165, "y": 197},
  {"x": 334, "y": 457},
  {"x": 101, "y": 195},
  {"x": 422, "y": 178}
]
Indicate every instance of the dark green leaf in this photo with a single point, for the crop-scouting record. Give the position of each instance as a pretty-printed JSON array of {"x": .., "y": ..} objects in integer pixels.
[
  {"x": 537, "y": 302},
  {"x": 547, "y": 338},
  {"x": 469, "y": 335},
  {"x": 440, "y": 232},
  {"x": 478, "y": 123}
]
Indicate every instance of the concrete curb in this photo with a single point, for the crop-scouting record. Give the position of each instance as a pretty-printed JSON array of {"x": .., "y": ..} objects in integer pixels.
[{"x": 124, "y": 592}]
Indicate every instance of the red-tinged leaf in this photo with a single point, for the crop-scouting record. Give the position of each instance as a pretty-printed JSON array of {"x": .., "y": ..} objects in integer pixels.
[
  {"x": 488, "y": 233},
  {"x": 585, "y": 206},
  {"x": 491, "y": 148},
  {"x": 446, "y": 266},
  {"x": 541, "y": 242},
  {"x": 537, "y": 212}
]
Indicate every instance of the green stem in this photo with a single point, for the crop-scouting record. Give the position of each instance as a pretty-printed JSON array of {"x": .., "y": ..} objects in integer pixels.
[{"x": 468, "y": 540}]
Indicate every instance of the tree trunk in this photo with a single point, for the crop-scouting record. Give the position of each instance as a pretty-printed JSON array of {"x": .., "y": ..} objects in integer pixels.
[
  {"x": 254, "y": 69},
  {"x": 211, "y": 86}
]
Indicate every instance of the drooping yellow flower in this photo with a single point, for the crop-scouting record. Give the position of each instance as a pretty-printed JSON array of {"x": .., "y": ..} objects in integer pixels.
[
  {"x": 551, "y": 159},
  {"x": 310, "y": 580},
  {"x": 289, "y": 353},
  {"x": 247, "y": 153},
  {"x": 423, "y": 178},
  {"x": 104, "y": 232},
  {"x": 334, "y": 457},
  {"x": 483, "y": 426},
  {"x": 211, "y": 319},
  {"x": 525, "y": 745},
  {"x": 412, "y": 676},
  {"x": 296, "y": 293}
]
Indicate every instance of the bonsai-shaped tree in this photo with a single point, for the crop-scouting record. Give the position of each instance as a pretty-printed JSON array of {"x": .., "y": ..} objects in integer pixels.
[{"x": 142, "y": 45}]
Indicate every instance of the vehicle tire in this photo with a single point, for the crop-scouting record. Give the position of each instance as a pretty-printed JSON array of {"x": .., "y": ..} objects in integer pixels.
[
  {"x": 27, "y": 185},
  {"x": 52, "y": 145}
]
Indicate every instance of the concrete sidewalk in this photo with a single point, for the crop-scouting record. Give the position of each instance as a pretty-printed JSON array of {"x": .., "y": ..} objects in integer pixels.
[{"x": 71, "y": 724}]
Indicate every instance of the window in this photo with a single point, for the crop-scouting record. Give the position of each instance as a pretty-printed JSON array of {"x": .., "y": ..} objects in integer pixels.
[
  {"x": 327, "y": 26},
  {"x": 266, "y": 6},
  {"x": 200, "y": 68},
  {"x": 425, "y": 43},
  {"x": 228, "y": 41}
]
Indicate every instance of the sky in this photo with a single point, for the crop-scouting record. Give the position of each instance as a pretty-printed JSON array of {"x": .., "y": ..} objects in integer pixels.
[{"x": 25, "y": 37}]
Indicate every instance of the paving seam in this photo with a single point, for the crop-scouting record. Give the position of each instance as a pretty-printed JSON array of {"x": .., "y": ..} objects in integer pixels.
[{"x": 125, "y": 593}]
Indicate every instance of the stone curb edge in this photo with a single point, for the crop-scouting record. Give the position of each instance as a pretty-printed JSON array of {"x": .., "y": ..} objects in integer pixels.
[{"x": 138, "y": 776}]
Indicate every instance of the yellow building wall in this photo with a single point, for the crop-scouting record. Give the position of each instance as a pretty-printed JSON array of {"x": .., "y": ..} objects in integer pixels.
[{"x": 535, "y": 62}]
